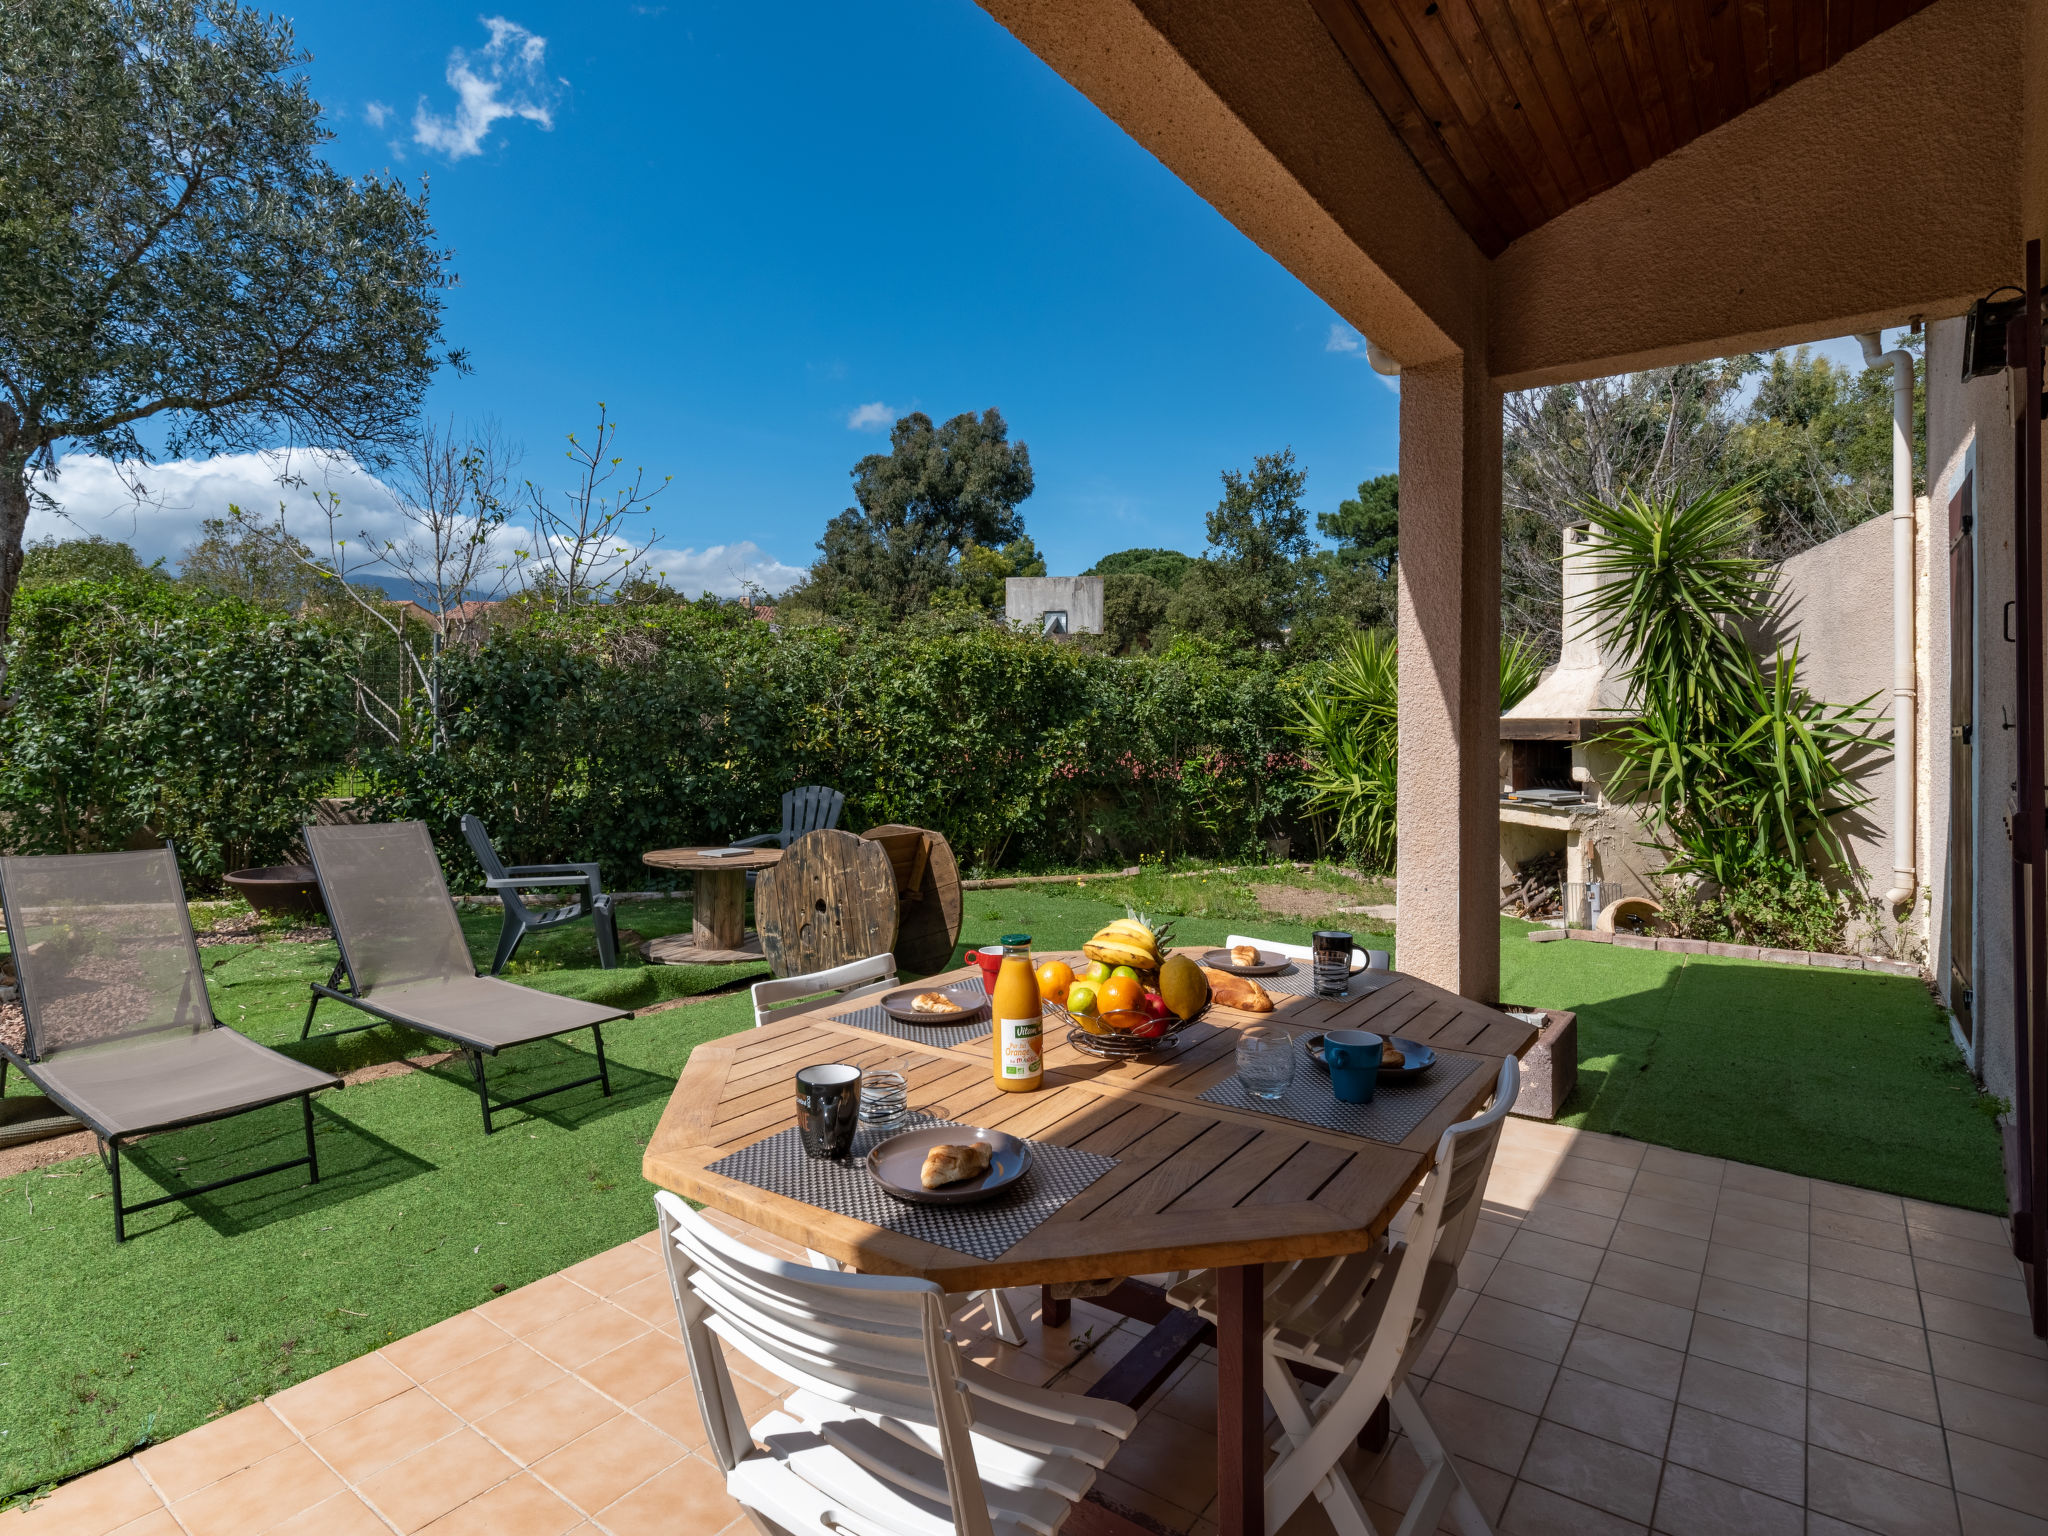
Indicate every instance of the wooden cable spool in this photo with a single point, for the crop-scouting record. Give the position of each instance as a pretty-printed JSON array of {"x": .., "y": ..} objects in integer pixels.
[
  {"x": 830, "y": 901},
  {"x": 927, "y": 896}
]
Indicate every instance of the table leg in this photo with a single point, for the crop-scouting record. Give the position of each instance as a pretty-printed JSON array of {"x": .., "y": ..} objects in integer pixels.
[
  {"x": 718, "y": 913},
  {"x": 1240, "y": 1402}
]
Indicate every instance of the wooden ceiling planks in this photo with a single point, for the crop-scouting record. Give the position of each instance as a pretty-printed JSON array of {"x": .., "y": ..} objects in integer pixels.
[{"x": 1516, "y": 110}]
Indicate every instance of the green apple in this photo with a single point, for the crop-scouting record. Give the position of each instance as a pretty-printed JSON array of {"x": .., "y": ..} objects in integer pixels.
[
  {"x": 1081, "y": 999},
  {"x": 1125, "y": 970},
  {"x": 1096, "y": 971}
]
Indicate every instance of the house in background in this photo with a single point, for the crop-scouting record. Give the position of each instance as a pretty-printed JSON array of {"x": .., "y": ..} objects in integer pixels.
[{"x": 1054, "y": 605}]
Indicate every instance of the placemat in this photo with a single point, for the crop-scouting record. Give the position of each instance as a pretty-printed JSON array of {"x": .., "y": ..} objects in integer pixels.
[
  {"x": 1396, "y": 1107},
  {"x": 944, "y": 1036},
  {"x": 989, "y": 1230}
]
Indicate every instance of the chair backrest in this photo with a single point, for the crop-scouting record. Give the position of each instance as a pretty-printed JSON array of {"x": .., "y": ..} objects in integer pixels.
[
  {"x": 103, "y": 949},
  {"x": 809, "y": 808},
  {"x": 874, "y": 1343},
  {"x": 391, "y": 910},
  {"x": 876, "y": 973},
  {"x": 480, "y": 845},
  {"x": 1464, "y": 1159},
  {"x": 1375, "y": 959}
]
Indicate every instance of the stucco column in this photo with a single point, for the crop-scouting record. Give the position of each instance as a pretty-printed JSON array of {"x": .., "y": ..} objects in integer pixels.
[{"x": 1448, "y": 904}]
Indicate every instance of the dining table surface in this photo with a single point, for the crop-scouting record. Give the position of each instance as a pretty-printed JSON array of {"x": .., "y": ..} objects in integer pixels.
[{"x": 1195, "y": 1185}]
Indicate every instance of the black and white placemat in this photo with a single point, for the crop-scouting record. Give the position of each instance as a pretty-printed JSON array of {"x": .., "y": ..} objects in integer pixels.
[
  {"x": 989, "y": 1230},
  {"x": 1396, "y": 1107},
  {"x": 969, "y": 993},
  {"x": 1299, "y": 980}
]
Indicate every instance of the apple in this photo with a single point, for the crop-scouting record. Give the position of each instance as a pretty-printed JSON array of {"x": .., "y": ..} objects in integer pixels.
[
  {"x": 1151, "y": 1029},
  {"x": 1155, "y": 1005},
  {"x": 1081, "y": 999},
  {"x": 1125, "y": 970},
  {"x": 1094, "y": 971}
]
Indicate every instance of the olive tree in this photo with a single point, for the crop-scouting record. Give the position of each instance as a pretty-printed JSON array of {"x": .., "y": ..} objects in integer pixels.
[{"x": 180, "y": 271}]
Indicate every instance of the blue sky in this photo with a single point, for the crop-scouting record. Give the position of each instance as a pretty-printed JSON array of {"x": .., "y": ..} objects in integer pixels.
[{"x": 746, "y": 223}]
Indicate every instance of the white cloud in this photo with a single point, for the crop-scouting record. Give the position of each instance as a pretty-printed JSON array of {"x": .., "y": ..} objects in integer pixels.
[
  {"x": 505, "y": 78},
  {"x": 376, "y": 113},
  {"x": 1343, "y": 339},
  {"x": 94, "y": 497},
  {"x": 872, "y": 417}
]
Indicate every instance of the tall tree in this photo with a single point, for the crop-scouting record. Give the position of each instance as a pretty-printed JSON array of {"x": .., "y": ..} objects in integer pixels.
[
  {"x": 1249, "y": 587},
  {"x": 173, "y": 249},
  {"x": 240, "y": 558},
  {"x": 937, "y": 490},
  {"x": 1367, "y": 527},
  {"x": 1164, "y": 566}
]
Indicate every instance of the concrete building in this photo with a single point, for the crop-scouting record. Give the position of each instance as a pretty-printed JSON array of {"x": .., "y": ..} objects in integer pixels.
[
  {"x": 1054, "y": 605},
  {"x": 1498, "y": 203}
]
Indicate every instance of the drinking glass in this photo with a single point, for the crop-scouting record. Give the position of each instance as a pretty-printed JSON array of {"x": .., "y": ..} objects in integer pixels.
[
  {"x": 884, "y": 1096},
  {"x": 828, "y": 1108},
  {"x": 1332, "y": 963},
  {"x": 1265, "y": 1062}
]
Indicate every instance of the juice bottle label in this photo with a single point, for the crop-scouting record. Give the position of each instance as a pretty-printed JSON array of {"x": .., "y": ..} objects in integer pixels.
[{"x": 1023, "y": 1055}]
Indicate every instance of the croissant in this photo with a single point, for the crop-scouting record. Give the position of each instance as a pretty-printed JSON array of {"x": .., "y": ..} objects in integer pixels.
[
  {"x": 934, "y": 1002},
  {"x": 1239, "y": 992},
  {"x": 1244, "y": 954},
  {"x": 951, "y": 1164}
]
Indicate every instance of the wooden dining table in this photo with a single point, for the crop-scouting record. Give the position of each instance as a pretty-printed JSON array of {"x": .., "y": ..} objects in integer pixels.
[{"x": 1196, "y": 1185}]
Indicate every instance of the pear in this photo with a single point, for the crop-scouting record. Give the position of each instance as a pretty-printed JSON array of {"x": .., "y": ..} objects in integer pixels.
[{"x": 1183, "y": 987}]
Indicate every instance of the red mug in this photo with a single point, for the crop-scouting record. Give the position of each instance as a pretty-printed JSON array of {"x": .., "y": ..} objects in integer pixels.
[{"x": 990, "y": 958}]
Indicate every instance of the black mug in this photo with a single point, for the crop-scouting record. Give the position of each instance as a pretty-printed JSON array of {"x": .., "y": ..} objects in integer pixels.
[
  {"x": 828, "y": 1109},
  {"x": 1332, "y": 963}
]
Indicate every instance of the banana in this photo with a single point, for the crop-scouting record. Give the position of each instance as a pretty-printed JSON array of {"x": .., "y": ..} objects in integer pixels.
[
  {"x": 1113, "y": 952},
  {"x": 1129, "y": 932}
]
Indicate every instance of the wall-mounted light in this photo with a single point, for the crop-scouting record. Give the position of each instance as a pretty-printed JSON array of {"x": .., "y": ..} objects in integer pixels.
[{"x": 1984, "y": 332}]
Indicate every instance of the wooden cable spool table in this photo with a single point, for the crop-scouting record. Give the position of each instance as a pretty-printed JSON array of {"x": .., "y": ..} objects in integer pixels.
[
  {"x": 1197, "y": 1185},
  {"x": 718, "y": 911}
]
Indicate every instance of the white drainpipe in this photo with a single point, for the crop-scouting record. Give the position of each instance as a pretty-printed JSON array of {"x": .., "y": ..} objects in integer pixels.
[{"x": 1905, "y": 758}]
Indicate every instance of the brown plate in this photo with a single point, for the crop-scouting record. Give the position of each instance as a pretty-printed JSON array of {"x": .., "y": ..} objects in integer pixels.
[
  {"x": 897, "y": 1006},
  {"x": 896, "y": 1163},
  {"x": 1271, "y": 963}
]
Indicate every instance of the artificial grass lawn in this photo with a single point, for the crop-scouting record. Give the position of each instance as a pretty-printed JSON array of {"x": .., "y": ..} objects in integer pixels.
[{"x": 418, "y": 1215}]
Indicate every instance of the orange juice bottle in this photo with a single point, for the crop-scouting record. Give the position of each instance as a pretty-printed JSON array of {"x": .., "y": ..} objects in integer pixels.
[{"x": 1019, "y": 1019}]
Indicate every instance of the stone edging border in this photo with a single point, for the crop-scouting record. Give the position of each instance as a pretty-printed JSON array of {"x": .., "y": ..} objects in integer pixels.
[{"x": 1732, "y": 951}]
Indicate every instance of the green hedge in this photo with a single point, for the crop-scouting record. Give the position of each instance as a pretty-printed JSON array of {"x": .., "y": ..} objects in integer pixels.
[{"x": 601, "y": 735}]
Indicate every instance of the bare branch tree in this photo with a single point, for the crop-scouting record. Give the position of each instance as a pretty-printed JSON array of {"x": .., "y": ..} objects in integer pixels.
[{"x": 587, "y": 541}]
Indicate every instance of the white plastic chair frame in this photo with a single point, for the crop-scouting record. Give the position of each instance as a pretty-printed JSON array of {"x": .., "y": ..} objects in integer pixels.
[
  {"x": 856, "y": 978},
  {"x": 891, "y": 1431},
  {"x": 1375, "y": 959},
  {"x": 1368, "y": 1317}
]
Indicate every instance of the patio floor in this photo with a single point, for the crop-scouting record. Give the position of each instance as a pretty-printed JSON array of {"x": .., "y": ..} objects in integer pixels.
[{"x": 1646, "y": 1339}]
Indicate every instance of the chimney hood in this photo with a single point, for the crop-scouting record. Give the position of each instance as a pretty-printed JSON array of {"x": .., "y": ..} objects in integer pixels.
[{"x": 1581, "y": 695}]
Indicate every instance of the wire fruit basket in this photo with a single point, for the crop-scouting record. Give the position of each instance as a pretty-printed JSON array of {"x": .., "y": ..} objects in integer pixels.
[{"x": 1121, "y": 1045}]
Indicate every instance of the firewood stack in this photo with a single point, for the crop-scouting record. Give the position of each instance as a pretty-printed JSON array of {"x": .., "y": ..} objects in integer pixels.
[{"x": 1537, "y": 890}]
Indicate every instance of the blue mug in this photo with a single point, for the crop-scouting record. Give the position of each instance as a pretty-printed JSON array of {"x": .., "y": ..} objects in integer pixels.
[{"x": 1353, "y": 1057}]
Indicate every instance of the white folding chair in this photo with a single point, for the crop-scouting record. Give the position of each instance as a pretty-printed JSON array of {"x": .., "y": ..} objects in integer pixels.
[
  {"x": 857, "y": 978},
  {"x": 804, "y": 994},
  {"x": 1368, "y": 1317},
  {"x": 1375, "y": 959},
  {"x": 891, "y": 1431}
]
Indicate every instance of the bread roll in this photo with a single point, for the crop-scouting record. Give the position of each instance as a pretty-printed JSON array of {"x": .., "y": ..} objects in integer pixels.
[
  {"x": 1239, "y": 992},
  {"x": 1243, "y": 954},
  {"x": 951, "y": 1164}
]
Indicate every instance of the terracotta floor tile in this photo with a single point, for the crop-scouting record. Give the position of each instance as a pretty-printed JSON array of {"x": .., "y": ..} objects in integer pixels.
[
  {"x": 1981, "y": 1518},
  {"x": 1628, "y": 1362},
  {"x": 1475, "y": 1269},
  {"x": 1534, "y": 1511},
  {"x": 650, "y": 1300},
  {"x": 1523, "y": 1329},
  {"x": 1502, "y": 1375},
  {"x": 1559, "y": 1295},
  {"x": 1591, "y": 1170},
  {"x": 1877, "y": 1435},
  {"x": 1975, "y": 1225},
  {"x": 543, "y": 1422},
  {"x": 442, "y": 1348},
  {"x": 1593, "y": 1471},
  {"x": 581, "y": 1337},
  {"x": 1744, "y": 1396},
  {"x": 1693, "y": 1504},
  {"x": 1771, "y": 1310},
  {"x": 1575, "y": 1226},
  {"x": 1856, "y": 1259},
  {"x": 1766, "y": 1210},
  {"x": 1148, "y": 1509},
  {"x": 1560, "y": 1256},
  {"x": 1983, "y": 1325},
  {"x": 1645, "y": 1210},
  {"x": 1946, "y": 1248},
  {"x": 1683, "y": 1165},
  {"x": 1486, "y": 1432},
  {"x": 1759, "y": 1271},
  {"x": 1999, "y": 1474},
  {"x": 1973, "y": 1285},
  {"x": 1618, "y": 1150},
  {"x": 1673, "y": 1190},
  {"x": 650, "y": 1364},
  {"x": 188, "y": 1462},
  {"x": 1172, "y": 1459},
  {"x": 90, "y": 1505},
  {"x": 1877, "y": 1498},
  {"x": 342, "y": 1393},
  {"x": 1738, "y": 1232},
  {"x": 385, "y": 1435},
  {"x": 158, "y": 1522},
  {"x": 1739, "y": 1453},
  {"x": 1644, "y": 1277},
  {"x": 258, "y": 1498},
  {"x": 489, "y": 1382},
  {"x": 1766, "y": 1181},
  {"x": 1887, "y": 1235},
  {"x": 616, "y": 1268},
  {"x": 608, "y": 1463},
  {"x": 1857, "y": 1202},
  {"x": 689, "y": 1497},
  {"x": 426, "y": 1485},
  {"x": 2009, "y": 1371},
  {"x": 1861, "y": 1379},
  {"x": 1858, "y": 1333},
  {"x": 1593, "y": 1199},
  {"x": 1830, "y": 1287},
  {"x": 1639, "y": 1420},
  {"x": 1993, "y": 1416},
  {"x": 342, "y": 1515},
  {"x": 1191, "y": 1396},
  {"x": 1492, "y": 1237},
  {"x": 1659, "y": 1246},
  {"x": 673, "y": 1411},
  {"x": 1639, "y": 1317},
  {"x": 521, "y": 1507},
  {"x": 534, "y": 1306},
  {"x": 1749, "y": 1349}
]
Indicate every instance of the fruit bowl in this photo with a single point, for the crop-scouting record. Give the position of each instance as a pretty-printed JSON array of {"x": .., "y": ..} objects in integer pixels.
[{"x": 1127, "y": 1032}]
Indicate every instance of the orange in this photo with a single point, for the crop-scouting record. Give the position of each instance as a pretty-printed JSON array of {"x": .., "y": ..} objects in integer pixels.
[
  {"x": 1118, "y": 993},
  {"x": 1054, "y": 977}
]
